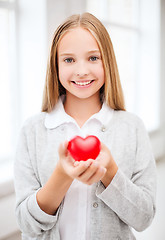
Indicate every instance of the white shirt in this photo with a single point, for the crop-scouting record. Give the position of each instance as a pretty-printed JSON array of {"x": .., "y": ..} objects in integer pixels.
[{"x": 74, "y": 223}]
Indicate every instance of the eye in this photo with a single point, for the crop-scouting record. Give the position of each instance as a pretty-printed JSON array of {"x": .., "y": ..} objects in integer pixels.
[
  {"x": 93, "y": 58},
  {"x": 68, "y": 60}
]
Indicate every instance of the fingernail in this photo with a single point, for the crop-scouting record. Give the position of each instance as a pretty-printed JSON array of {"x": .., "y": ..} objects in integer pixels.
[
  {"x": 76, "y": 163},
  {"x": 87, "y": 164},
  {"x": 95, "y": 164},
  {"x": 103, "y": 170}
]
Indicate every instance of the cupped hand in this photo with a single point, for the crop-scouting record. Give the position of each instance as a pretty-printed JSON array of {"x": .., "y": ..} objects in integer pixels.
[
  {"x": 106, "y": 160},
  {"x": 88, "y": 172}
]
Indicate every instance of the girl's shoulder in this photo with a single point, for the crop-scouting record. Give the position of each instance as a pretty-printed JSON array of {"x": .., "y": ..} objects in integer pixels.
[
  {"x": 128, "y": 118},
  {"x": 35, "y": 121}
]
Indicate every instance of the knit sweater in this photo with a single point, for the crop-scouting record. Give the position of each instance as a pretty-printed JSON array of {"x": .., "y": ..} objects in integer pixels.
[{"x": 129, "y": 200}]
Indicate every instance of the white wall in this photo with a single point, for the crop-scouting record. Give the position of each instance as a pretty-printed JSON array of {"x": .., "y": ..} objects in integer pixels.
[
  {"x": 8, "y": 223},
  {"x": 58, "y": 11},
  {"x": 32, "y": 42},
  {"x": 162, "y": 85},
  {"x": 158, "y": 137}
]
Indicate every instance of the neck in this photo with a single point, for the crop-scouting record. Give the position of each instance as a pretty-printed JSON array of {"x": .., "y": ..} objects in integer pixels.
[{"x": 82, "y": 109}]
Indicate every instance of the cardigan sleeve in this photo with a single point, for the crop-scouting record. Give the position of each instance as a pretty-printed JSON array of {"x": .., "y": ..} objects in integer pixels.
[
  {"x": 31, "y": 219},
  {"x": 133, "y": 200}
]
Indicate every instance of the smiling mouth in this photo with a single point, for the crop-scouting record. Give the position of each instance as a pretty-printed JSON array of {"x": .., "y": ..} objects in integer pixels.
[{"x": 83, "y": 83}]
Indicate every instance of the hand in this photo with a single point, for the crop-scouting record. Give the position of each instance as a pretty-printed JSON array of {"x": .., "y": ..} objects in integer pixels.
[
  {"x": 88, "y": 172},
  {"x": 105, "y": 157},
  {"x": 106, "y": 160}
]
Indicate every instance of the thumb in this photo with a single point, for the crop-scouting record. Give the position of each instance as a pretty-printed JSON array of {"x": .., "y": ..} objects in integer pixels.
[
  {"x": 63, "y": 149},
  {"x": 103, "y": 147}
]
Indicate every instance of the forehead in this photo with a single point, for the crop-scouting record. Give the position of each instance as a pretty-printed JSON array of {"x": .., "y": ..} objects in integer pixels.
[{"x": 78, "y": 39}]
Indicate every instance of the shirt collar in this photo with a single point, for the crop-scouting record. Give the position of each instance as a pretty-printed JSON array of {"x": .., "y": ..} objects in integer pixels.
[{"x": 58, "y": 116}]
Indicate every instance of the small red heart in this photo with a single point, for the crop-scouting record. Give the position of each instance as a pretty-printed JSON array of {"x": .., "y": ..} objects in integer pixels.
[{"x": 84, "y": 148}]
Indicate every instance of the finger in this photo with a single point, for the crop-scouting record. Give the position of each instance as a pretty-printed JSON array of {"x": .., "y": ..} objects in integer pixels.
[
  {"x": 81, "y": 167},
  {"x": 97, "y": 176},
  {"x": 90, "y": 171},
  {"x": 62, "y": 150},
  {"x": 76, "y": 163},
  {"x": 103, "y": 146},
  {"x": 65, "y": 144}
]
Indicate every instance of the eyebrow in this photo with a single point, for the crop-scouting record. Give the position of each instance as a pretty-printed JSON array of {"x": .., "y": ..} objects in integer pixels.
[
  {"x": 71, "y": 54},
  {"x": 93, "y": 51}
]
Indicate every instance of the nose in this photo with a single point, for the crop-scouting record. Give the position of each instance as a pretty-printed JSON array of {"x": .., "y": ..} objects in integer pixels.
[
  {"x": 81, "y": 69},
  {"x": 81, "y": 75}
]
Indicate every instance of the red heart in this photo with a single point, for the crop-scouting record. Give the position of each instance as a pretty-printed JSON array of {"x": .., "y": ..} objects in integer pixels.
[{"x": 84, "y": 148}]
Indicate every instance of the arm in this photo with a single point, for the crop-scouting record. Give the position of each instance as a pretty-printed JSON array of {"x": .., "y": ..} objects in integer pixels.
[
  {"x": 31, "y": 219},
  {"x": 37, "y": 207},
  {"x": 47, "y": 197},
  {"x": 62, "y": 177},
  {"x": 133, "y": 199},
  {"x": 106, "y": 159}
]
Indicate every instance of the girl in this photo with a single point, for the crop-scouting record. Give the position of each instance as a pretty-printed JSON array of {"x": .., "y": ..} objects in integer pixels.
[{"x": 57, "y": 197}]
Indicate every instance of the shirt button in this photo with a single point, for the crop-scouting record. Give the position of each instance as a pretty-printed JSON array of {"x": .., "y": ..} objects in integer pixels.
[
  {"x": 95, "y": 204},
  {"x": 103, "y": 129}
]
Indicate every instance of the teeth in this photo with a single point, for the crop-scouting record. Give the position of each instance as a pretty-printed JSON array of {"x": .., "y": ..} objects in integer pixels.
[{"x": 83, "y": 83}]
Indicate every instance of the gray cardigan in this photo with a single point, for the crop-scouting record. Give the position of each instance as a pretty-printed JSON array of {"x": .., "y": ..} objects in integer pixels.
[{"x": 128, "y": 202}]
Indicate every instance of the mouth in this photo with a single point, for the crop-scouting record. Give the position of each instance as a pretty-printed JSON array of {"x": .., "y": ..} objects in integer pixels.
[{"x": 82, "y": 83}]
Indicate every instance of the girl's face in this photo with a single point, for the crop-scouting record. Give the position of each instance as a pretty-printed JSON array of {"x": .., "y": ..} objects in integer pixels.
[{"x": 80, "y": 65}]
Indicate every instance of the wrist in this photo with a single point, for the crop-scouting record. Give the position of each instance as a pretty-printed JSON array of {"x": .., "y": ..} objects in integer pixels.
[
  {"x": 52, "y": 193},
  {"x": 61, "y": 172},
  {"x": 110, "y": 173}
]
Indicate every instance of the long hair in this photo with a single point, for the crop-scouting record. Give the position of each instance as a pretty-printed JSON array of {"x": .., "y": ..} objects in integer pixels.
[{"x": 111, "y": 92}]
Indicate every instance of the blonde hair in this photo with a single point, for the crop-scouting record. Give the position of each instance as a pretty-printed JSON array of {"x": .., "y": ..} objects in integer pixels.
[{"x": 111, "y": 92}]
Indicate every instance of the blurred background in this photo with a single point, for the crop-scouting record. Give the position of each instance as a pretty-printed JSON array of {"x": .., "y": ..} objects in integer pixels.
[{"x": 137, "y": 30}]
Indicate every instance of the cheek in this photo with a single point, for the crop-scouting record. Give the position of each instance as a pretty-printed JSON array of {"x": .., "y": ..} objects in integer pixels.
[
  {"x": 64, "y": 74},
  {"x": 100, "y": 73}
]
